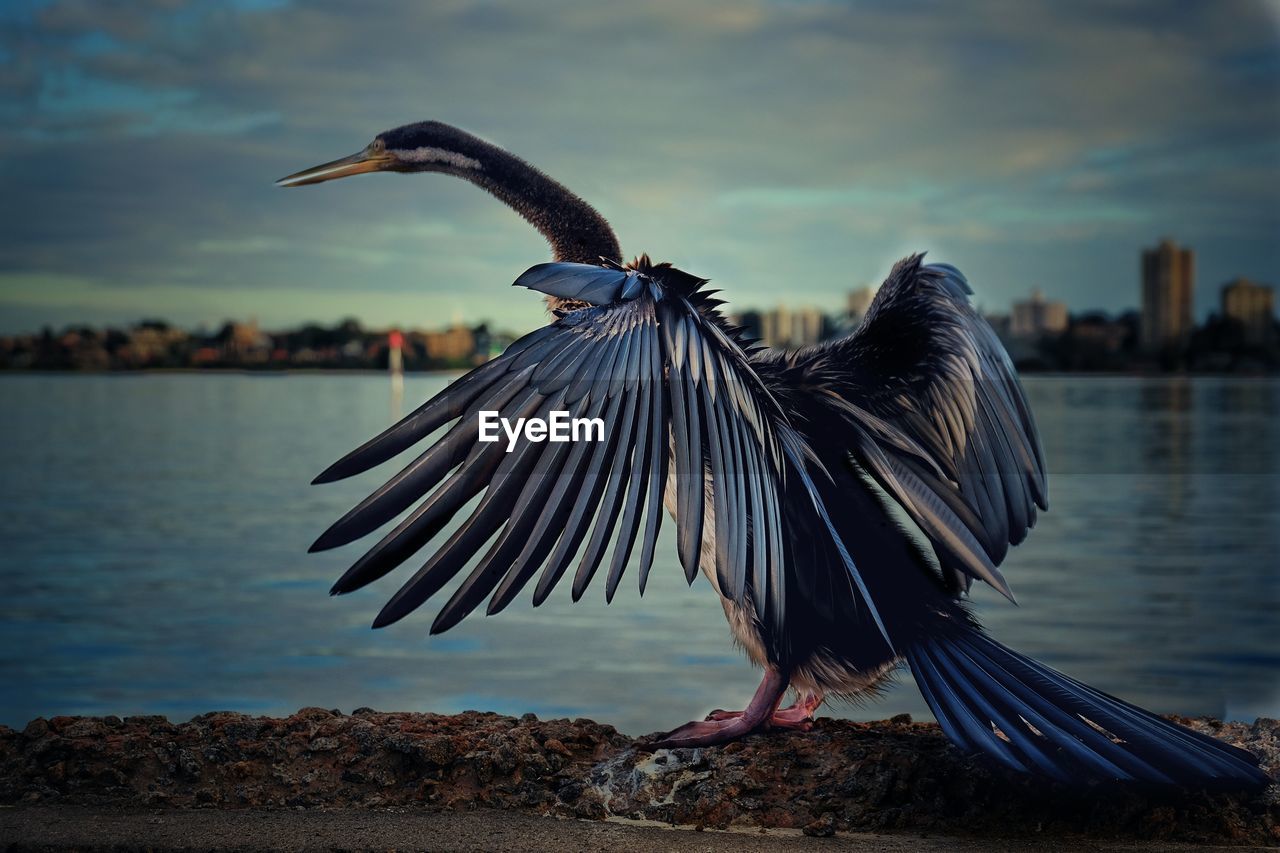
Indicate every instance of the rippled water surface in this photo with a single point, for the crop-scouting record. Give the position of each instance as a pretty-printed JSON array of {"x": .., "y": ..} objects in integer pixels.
[{"x": 153, "y": 558}]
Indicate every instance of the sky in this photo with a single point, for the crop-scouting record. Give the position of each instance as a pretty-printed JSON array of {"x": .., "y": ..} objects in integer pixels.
[{"x": 790, "y": 151}]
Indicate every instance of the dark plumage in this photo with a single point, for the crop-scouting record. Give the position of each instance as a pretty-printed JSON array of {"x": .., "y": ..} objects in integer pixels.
[{"x": 776, "y": 467}]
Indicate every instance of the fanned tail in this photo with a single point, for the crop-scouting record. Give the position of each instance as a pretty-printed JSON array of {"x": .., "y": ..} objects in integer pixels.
[{"x": 1034, "y": 719}]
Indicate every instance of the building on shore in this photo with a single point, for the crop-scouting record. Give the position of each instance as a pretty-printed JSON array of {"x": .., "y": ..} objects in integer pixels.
[
  {"x": 787, "y": 327},
  {"x": 1252, "y": 305},
  {"x": 775, "y": 327},
  {"x": 457, "y": 343},
  {"x": 1168, "y": 285},
  {"x": 150, "y": 343},
  {"x": 1037, "y": 317}
]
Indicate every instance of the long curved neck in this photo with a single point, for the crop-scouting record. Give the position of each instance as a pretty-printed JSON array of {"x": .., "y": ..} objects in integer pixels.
[{"x": 575, "y": 230}]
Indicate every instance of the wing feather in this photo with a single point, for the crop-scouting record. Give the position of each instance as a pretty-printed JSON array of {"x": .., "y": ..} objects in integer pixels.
[
  {"x": 686, "y": 430},
  {"x": 659, "y": 414},
  {"x": 635, "y": 499}
]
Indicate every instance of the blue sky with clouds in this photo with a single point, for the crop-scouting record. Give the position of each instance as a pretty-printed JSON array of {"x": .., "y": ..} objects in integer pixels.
[{"x": 788, "y": 150}]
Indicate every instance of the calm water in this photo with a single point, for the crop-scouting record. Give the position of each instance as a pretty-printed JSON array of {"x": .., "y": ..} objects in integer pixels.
[{"x": 153, "y": 539}]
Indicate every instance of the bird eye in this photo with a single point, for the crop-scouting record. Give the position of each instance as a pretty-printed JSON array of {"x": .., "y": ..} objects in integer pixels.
[{"x": 377, "y": 146}]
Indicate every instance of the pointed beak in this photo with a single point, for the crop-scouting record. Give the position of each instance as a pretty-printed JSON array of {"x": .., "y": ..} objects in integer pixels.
[{"x": 357, "y": 164}]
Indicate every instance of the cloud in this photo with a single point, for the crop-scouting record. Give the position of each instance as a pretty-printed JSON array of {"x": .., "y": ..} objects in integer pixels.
[{"x": 746, "y": 140}]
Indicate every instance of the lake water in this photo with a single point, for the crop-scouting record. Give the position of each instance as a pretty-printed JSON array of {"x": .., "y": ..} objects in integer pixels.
[{"x": 153, "y": 560}]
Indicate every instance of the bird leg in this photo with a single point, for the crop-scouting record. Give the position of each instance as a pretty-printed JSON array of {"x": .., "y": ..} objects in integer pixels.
[
  {"x": 757, "y": 715},
  {"x": 797, "y": 715}
]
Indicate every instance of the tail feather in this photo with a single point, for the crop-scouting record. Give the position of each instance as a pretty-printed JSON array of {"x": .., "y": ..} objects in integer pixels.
[{"x": 1031, "y": 718}]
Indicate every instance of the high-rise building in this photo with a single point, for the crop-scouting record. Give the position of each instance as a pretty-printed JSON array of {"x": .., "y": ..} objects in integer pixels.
[
  {"x": 1253, "y": 305},
  {"x": 1168, "y": 282},
  {"x": 1037, "y": 317}
]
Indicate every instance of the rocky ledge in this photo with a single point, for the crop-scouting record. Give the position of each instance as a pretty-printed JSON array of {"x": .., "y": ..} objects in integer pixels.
[{"x": 887, "y": 776}]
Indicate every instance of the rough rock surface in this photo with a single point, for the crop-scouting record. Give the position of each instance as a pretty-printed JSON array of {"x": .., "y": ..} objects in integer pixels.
[{"x": 886, "y": 776}]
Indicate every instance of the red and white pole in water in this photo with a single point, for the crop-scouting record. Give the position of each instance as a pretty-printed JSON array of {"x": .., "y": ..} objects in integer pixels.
[
  {"x": 395, "y": 363},
  {"x": 395, "y": 359}
]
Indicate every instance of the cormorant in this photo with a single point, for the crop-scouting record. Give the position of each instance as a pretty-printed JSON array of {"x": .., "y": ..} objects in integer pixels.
[{"x": 777, "y": 467}]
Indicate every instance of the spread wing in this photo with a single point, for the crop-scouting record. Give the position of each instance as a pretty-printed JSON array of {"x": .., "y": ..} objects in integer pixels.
[
  {"x": 674, "y": 391},
  {"x": 938, "y": 418}
]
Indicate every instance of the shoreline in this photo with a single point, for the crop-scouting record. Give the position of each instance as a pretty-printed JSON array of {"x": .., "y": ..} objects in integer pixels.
[{"x": 891, "y": 777}]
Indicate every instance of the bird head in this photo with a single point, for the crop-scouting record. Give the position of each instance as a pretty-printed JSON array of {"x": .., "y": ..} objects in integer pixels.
[
  {"x": 426, "y": 146},
  {"x": 576, "y": 231}
]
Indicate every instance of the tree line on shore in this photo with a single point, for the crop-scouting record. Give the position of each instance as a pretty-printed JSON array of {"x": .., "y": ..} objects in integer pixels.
[{"x": 1092, "y": 342}]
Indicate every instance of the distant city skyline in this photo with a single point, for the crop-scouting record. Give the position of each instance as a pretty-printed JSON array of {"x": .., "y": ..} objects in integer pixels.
[
  {"x": 1040, "y": 333},
  {"x": 1206, "y": 301},
  {"x": 783, "y": 322},
  {"x": 1165, "y": 290},
  {"x": 788, "y": 151}
]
